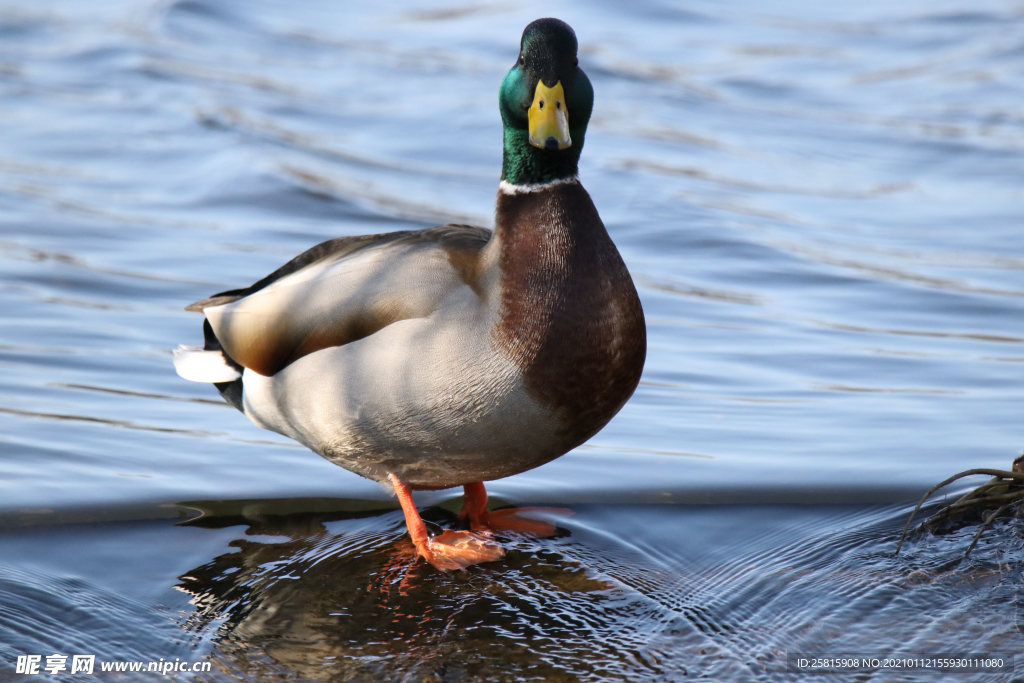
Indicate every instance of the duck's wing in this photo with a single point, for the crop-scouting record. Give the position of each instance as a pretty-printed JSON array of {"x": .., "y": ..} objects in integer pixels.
[{"x": 341, "y": 291}]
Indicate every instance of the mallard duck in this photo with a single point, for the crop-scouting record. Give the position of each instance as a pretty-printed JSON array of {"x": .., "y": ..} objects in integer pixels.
[{"x": 430, "y": 359}]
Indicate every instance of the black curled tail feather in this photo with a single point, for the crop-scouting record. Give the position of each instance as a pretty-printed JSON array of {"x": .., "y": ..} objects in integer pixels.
[{"x": 231, "y": 391}]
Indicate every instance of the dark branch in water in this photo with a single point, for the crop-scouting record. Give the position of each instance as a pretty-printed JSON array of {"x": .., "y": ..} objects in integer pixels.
[
  {"x": 972, "y": 499},
  {"x": 989, "y": 521}
]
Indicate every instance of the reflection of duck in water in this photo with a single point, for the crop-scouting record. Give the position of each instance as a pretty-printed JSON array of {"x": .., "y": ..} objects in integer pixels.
[
  {"x": 276, "y": 609},
  {"x": 455, "y": 355}
]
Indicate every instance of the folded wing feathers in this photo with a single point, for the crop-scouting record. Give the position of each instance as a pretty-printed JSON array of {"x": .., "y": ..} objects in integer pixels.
[
  {"x": 217, "y": 300},
  {"x": 200, "y": 365},
  {"x": 336, "y": 248}
]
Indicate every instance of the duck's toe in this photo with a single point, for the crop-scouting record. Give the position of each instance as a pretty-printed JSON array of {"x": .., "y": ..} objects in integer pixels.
[
  {"x": 460, "y": 549},
  {"x": 509, "y": 519},
  {"x": 474, "y": 510}
]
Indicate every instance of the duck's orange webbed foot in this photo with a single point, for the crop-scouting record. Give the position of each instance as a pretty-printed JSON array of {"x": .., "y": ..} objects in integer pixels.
[
  {"x": 475, "y": 511},
  {"x": 449, "y": 550},
  {"x": 459, "y": 549}
]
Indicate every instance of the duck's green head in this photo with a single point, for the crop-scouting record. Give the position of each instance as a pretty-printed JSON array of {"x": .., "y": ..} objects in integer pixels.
[{"x": 545, "y": 103}]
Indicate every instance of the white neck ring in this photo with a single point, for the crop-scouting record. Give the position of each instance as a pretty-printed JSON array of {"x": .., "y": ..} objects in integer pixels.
[{"x": 509, "y": 188}]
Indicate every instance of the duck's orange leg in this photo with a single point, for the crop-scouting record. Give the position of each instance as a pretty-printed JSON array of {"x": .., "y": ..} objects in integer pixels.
[
  {"x": 451, "y": 549},
  {"x": 475, "y": 511}
]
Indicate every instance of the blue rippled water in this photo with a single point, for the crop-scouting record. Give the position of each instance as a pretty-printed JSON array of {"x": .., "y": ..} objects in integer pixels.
[{"x": 820, "y": 204}]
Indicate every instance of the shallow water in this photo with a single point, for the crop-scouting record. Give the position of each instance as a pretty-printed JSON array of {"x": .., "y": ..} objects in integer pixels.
[{"x": 820, "y": 204}]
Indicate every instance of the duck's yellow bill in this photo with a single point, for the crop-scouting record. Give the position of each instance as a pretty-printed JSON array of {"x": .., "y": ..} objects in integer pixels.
[{"x": 549, "y": 118}]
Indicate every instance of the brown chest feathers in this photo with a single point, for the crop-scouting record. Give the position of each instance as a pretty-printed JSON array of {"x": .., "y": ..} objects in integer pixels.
[{"x": 570, "y": 316}]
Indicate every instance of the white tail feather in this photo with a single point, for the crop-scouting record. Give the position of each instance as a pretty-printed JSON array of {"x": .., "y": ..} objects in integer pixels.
[{"x": 197, "y": 365}]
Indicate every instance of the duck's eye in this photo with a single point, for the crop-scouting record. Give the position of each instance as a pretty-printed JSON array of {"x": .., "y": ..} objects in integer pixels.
[
  {"x": 558, "y": 105},
  {"x": 522, "y": 60},
  {"x": 542, "y": 104},
  {"x": 576, "y": 62}
]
